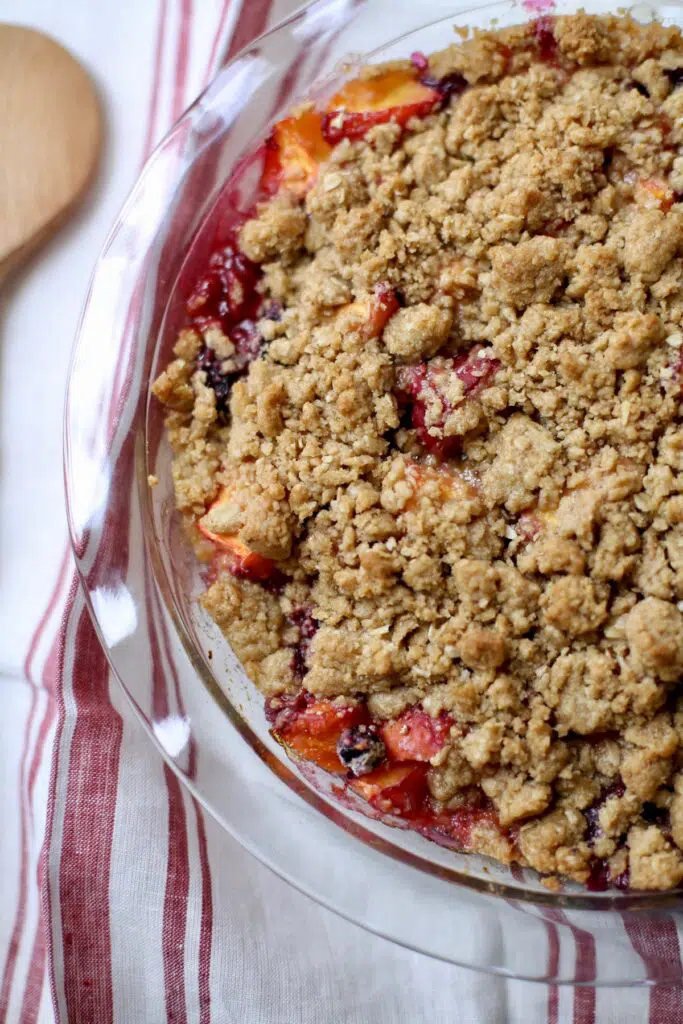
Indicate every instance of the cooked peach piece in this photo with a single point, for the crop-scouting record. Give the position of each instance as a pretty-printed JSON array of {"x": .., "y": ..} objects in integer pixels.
[
  {"x": 415, "y": 735},
  {"x": 657, "y": 192},
  {"x": 365, "y": 102},
  {"x": 294, "y": 152},
  {"x": 400, "y": 788},
  {"x": 313, "y": 734},
  {"x": 244, "y": 562}
]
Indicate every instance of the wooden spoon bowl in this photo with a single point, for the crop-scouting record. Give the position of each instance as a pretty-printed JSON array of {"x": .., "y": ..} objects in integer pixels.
[{"x": 50, "y": 139}]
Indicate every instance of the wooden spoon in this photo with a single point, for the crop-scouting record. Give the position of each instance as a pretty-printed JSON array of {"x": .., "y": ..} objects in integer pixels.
[{"x": 50, "y": 139}]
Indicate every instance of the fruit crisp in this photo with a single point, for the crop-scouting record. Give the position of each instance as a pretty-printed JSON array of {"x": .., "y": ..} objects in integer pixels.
[{"x": 426, "y": 424}]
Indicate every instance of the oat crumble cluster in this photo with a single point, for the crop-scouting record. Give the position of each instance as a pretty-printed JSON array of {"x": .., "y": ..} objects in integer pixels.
[{"x": 426, "y": 424}]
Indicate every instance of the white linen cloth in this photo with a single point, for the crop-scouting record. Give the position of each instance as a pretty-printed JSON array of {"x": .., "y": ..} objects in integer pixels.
[{"x": 251, "y": 949}]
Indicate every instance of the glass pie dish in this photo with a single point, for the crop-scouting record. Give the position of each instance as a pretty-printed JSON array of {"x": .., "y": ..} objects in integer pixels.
[{"x": 177, "y": 669}]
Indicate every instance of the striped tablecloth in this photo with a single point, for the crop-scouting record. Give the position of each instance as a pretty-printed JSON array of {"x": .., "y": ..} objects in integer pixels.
[{"x": 119, "y": 900}]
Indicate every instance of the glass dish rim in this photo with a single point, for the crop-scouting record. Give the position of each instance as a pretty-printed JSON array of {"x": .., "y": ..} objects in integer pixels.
[{"x": 580, "y": 901}]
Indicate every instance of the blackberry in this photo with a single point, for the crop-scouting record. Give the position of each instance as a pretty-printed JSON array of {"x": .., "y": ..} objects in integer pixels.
[
  {"x": 215, "y": 378},
  {"x": 360, "y": 749},
  {"x": 639, "y": 87},
  {"x": 654, "y": 815},
  {"x": 675, "y": 76},
  {"x": 448, "y": 86}
]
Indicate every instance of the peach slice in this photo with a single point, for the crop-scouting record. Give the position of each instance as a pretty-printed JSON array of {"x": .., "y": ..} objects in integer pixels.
[
  {"x": 383, "y": 305},
  {"x": 313, "y": 733},
  {"x": 369, "y": 316},
  {"x": 365, "y": 102},
  {"x": 294, "y": 151},
  {"x": 656, "y": 193},
  {"x": 415, "y": 735},
  {"x": 243, "y": 562},
  {"x": 397, "y": 789}
]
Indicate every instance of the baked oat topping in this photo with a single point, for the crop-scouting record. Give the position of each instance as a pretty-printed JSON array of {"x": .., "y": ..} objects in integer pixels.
[{"x": 426, "y": 425}]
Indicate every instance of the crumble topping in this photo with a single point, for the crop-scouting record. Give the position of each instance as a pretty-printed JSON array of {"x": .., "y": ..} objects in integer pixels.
[{"x": 437, "y": 464}]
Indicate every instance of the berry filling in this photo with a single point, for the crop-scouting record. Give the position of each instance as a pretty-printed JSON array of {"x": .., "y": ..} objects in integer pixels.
[
  {"x": 312, "y": 728},
  {"x": 303, "y": 619},
  {"x": 227, "y": 294},
  {"x": 428, "y": 390},
  {"x": 546, "y": 42},
  {"x": 601, "y": 877},
  {"x": 455, "y": 827},
  {"x": 447, "y": 87},
  {"x": 450, "y": 85},
  {"x": 226, "y": 299},
  {"x": 592, "y": 813},
  {"x": 386, "y": 762}
]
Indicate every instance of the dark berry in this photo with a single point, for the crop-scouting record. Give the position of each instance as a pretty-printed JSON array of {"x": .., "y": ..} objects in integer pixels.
[
  {"x": 360, "y": 749},
  {"x": 639, "y": 87},
  {"x": 215, "y": 378},
  {"x": 654, "y": 815},
  {"x": 623, "y": 881},
  {"x": 308, "y": 627},
  {"x": 675, "y": 76},
  {"x": 303, "y": 618},
  {"x": 272, "y": 310},
  {"x": 448, "y": 86},
  {"x": 592, "y": 813},
  {"x": 248, "y": 344},
  {"x": 599, "y": 878}
]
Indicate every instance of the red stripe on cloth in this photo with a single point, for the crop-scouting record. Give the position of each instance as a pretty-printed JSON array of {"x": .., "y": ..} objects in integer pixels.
[
  {"x": 178, "y": 865},
  {"x": 175, "y": 903},
  {"x": 33, "y": 991},
  {"x": 666, "y": 1005},
  {"x": 51, "y": 674},
  {"x": 46, "y": 921},
  {"x": 213, "y": 55},
  {"x": 252, "y": 22},
  {"x": 20, "y": 916},
  {"x": 656, "y": 943},
  {"x": 119, "y": 389},
  {"x": 182, "y": 57},
  {"x": 91, "y": 787},
  {"x": 553, "y": 965},
  {"x": 584, "y": 997},
  {"x": 90, "y": 807},
  {"x": 179, "y": 831},
  {"x": 156, "y": 79},
  {"x": 584, "y": 969},
  {"x": 206, "y": 927},
  {"x": 49, "y": 608},
  {"x": 39, "y": 749},
  {"x": 177, "y": 889}
]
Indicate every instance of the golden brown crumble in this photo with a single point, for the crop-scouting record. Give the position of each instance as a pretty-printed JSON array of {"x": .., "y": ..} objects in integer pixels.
[{"x": 517, "y": 559}]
